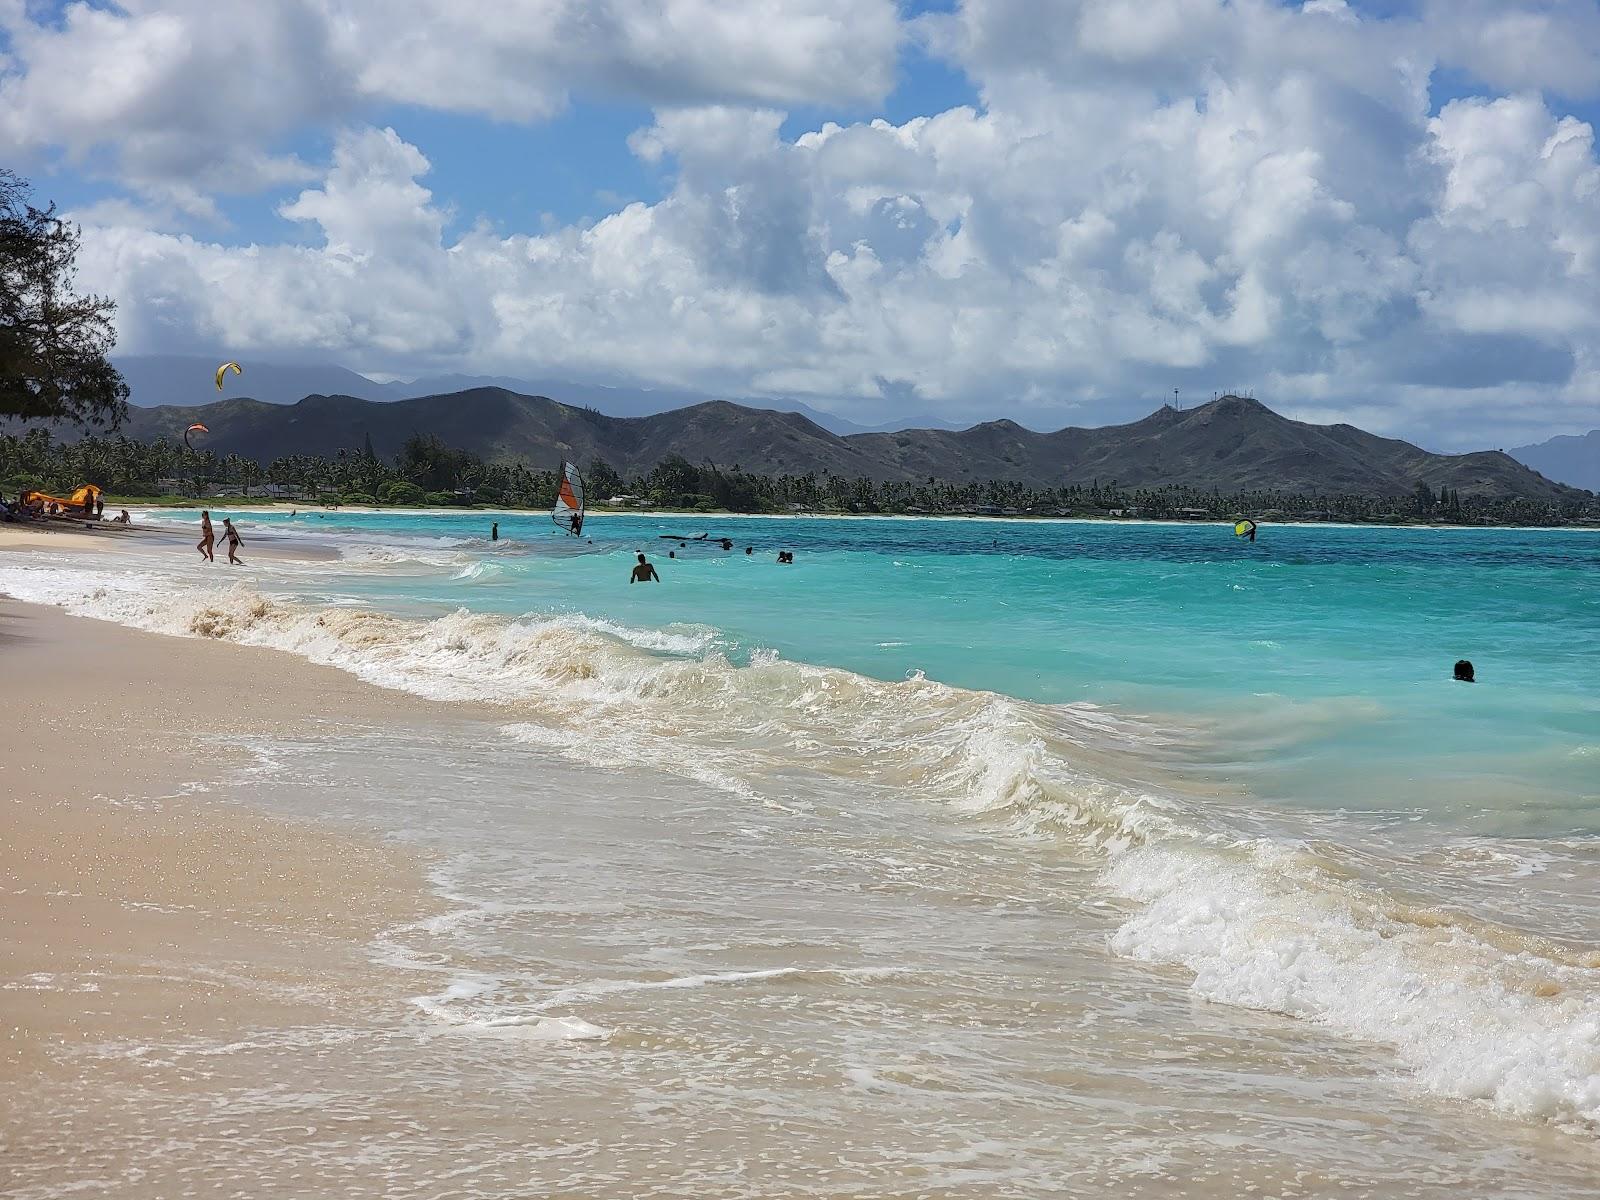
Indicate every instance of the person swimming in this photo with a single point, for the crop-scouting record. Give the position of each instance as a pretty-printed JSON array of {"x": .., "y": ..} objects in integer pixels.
[
  {"x": 1464, "y": 671},
  {"x": 644, "y": 572}
]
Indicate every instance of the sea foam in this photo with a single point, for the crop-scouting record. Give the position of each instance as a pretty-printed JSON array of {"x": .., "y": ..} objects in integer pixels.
[{"x": 1474, "y": 1010}]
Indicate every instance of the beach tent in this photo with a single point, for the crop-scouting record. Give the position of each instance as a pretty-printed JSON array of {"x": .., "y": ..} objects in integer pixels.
[{"x": 82, "y": 500}]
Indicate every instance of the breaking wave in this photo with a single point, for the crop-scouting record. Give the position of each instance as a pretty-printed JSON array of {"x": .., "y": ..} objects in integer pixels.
[{"x": 1262, "y": 918}]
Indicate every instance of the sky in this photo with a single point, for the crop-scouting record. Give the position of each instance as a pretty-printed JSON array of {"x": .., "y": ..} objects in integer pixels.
[{"x": 1057, "y": 211}]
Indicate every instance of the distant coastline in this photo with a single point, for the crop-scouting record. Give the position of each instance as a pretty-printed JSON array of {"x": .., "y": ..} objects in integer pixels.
[{"x": 228, "y": 503}]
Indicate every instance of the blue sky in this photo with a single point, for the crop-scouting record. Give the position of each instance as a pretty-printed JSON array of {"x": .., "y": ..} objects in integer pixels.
[
  {"x": 1141, "y": 195},
  {"x": 576, "y": 166}
]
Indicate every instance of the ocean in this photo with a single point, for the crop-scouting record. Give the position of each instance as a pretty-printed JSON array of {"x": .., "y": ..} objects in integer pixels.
[{"x": 959, "y": 857}]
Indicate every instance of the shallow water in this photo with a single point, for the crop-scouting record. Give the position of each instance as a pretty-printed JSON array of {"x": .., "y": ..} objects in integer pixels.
[{"x": 910, "y": 868}]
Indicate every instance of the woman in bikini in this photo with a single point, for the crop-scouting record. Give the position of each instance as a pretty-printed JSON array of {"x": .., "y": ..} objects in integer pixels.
[
  {"x": 208, "y": 537},
  {"x": 231, "y": 536}
]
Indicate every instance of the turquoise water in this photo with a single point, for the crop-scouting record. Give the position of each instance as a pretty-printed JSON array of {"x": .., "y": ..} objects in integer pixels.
[
  {"x": 1151, "y": 763},
  {"x": 1311, "y": 667}
]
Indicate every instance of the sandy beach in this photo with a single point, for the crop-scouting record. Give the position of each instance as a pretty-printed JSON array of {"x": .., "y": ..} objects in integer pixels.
[
  {"x": 144, "y": 900},
  {"x": 558, "y": 909}
]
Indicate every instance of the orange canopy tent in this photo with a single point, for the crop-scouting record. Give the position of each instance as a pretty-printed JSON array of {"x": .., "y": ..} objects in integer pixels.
[{"x": 82, "y": 500}]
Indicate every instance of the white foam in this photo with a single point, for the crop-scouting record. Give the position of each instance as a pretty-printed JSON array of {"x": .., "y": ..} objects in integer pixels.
[
  {"x": 1261, "y": 930},
  {"x": 430, "y": 554},
  {"x": 1472, "y": 1010}
]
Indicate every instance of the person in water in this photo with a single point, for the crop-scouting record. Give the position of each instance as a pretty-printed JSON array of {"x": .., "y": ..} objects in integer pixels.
[
  {"x": 208, "y": 536},
  {"x": 749, "y": 549},
  {"x": 644, "y": 572},
  {"x": 1464, "y": 671},
  {"x": 231, "y": 536},
  {"x": 494, "y": 532}
]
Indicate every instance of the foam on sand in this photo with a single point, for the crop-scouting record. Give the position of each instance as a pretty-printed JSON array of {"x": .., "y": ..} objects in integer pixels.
[{"x": 1475, "y": 1009}]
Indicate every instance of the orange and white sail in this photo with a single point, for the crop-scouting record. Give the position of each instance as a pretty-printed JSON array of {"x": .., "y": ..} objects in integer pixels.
[{"x": 568, "y": 510}]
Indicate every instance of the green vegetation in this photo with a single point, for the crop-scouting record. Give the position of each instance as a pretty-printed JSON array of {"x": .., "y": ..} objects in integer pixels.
[
  {"x": 428, "y": 473},
  {"x": 53, "y": 342}
]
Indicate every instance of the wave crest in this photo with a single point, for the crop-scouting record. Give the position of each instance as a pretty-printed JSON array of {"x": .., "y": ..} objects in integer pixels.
[{"x": 1263, "y": 920}]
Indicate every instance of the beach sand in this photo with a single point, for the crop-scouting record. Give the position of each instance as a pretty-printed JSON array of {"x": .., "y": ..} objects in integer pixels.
[
  {"x": 146, "y": 536},
  {"x": 140, "y": 902},
  {"x": 600, "y": 984}
]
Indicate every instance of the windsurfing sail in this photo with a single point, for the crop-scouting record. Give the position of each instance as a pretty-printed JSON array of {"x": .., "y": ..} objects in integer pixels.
[
  {"x": 1245, "y": 529},
  {"x": 568, "y": 510}
]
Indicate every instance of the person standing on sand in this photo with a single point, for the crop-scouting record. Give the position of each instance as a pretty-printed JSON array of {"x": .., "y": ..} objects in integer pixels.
[
  {"x": 644, "y": 572},
  {"x": 208, "y": 536},
  {"x": 231, "y": 536}
]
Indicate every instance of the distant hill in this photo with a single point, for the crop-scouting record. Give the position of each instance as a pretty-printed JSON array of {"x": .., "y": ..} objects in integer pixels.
[
  {"x": 186, "y": 380},
  {"x": 1573, "y": 459},
  {"x": 1232, "y": 444}
]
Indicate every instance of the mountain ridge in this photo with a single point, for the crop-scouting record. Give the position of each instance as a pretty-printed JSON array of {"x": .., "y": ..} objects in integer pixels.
[
  {"x": 178, "y": 380},
  {"x": 1572, "y": 459},
  {"x": 1232, "y": 444}
]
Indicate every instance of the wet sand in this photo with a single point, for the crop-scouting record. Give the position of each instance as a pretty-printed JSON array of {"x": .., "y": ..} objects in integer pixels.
[
  {"x": 143, "y": 900},
  {"x": 835, "y": 1002},
  {"x": 150, "y": 536}
]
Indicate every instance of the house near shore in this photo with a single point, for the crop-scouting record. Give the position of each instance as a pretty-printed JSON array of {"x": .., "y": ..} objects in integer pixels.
[{"x": 264, "y": 491}]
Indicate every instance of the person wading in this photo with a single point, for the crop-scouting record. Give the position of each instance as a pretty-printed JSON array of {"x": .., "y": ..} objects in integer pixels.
[
  {"x": 208, "y": 537},
  {"x": 231, "y": 536},
  {"x": 644, "y": 572}
]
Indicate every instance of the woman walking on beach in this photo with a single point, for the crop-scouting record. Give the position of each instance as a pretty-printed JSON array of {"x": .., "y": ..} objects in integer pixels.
[
  {"x": 208, "y": 537},
  {"x": 231, "y": 536}
]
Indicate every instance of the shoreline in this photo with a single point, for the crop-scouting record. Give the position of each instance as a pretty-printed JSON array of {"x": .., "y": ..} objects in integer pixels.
[
  {"x": 150, "y": 899},
  {"x": 233, "y": 985},
  {"x": 150, "y": 536},
  {"x": 682, "y": 514}
]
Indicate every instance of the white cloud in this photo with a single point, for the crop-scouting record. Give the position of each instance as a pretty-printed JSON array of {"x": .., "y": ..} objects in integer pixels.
[
  {"x": 190, "y": 96},
  {"x": 1552, "y": 45},
  {"x": 1168, "y": 193}
]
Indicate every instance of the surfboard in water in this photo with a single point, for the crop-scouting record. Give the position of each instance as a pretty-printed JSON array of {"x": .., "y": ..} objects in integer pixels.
[{"x": 568, "y": 509}]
